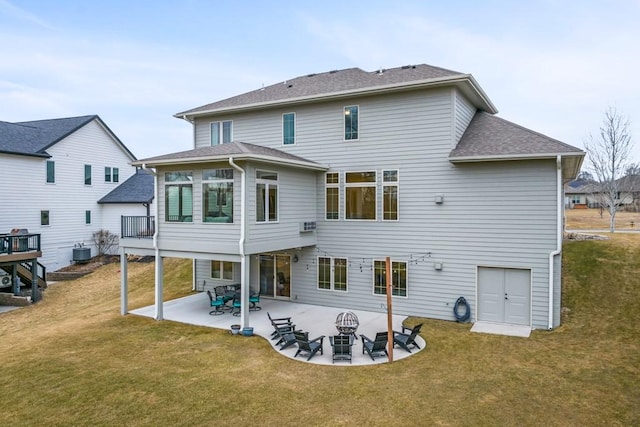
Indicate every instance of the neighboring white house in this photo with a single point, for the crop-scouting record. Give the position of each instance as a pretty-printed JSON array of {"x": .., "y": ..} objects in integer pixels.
[
  {"x": 54, "y": 172},
  {"x": 300, "y": 190}
]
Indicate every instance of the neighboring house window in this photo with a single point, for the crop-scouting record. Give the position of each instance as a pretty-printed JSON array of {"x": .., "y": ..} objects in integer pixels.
[
  {"x": 51, "y": 171},
  {"x": 575, "y": 199},
  {"x": 221, "y": 132},
  {"x": 399, "y": 278},
  {"x": 87, "y": 217},
  {"x": 266, "y": 196},
  {"x": 44, "y": 217},
  {"x": 179, "y": 197},
  {"x": 332, "y": 197},
  {"x": 87, "y": 174},
  {"x": 360, "y": 195},
  {"x": 332, "y": 273},
  {"x": 111, "y": 174},
  {"x": 222, "y": 270},
  {"x": 217, "y": 195},
  {"x": 351, "y": 122},
  {"x": 390, "y": 195},
  {"x": 289, "y": 128}
]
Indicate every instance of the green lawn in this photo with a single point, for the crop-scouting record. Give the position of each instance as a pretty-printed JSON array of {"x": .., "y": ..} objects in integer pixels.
[{"x": 73, "y": 360}]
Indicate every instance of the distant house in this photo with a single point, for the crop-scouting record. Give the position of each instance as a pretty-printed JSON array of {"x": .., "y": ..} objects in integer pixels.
[
  {"x": 54, "y": 173},
  {"x": 300, "y": 190}
]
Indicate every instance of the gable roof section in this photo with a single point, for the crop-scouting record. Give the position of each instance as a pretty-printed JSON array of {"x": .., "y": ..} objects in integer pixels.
[
  {"x": 343, "y": 83},
  {"x": 236, "y": 150},
  {"x": 137, "y": 189},
  {"x": 490, "y": 138},
  {"x": 32, "y": 138}
]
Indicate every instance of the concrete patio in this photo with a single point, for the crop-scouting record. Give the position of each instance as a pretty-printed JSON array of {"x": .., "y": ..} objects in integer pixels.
[{"x": 317, "y": 320}]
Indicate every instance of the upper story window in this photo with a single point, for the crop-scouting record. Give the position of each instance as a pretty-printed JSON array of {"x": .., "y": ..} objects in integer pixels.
[
  {"x": 289, "y": 128},
  {"x": 398, "y": 281},
  {"x": 360, "y": 195},
  {"x": 351, "y": 122},
  {"x": 178, "y": 196},
  {"x": 51, "y": 171},
  {"x": 390, "y": 195},
  {"x": 266, "y": 196},
  {"x": 87, "y": 174},
  {"x": 44, "y": 217},
  {"x": 87, "y": 217},
  {"x": 221, "y": 132},
  {"x": 217, "y": 195},
  {"x": 111, "y": 174},
  {"x": 332, "y": 196}
]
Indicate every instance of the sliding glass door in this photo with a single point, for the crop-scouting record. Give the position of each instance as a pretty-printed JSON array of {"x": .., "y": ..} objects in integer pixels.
[{"x": 275, "y": 276}]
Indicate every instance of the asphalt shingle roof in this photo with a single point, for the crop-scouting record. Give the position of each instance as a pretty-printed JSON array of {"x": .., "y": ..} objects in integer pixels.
[
  {"x": 34, "y": 137},
  {"x": 329, "y": 82},
  {"x": 235, "y": 148},
  {"x": 137, "y": 189},
  {"x": 490, "y": 136}
]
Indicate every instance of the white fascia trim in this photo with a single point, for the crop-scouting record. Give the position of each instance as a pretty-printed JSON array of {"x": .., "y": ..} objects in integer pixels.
[
  {"x": 461, "y": 79},
  {"x": 493, "y": 158},
  {"x": 225, "y": 158}
]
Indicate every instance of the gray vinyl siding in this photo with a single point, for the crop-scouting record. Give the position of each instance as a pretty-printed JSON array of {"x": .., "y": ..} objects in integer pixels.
[
  {"x": 498, "y": 214},
  {"x": 204, "y": 280},
  {"x": 463, "y": 113}
]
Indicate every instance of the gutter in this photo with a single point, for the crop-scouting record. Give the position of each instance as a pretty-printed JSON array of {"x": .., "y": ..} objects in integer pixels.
[
  {"x": 244, "y": 297},
  {"x": 558, "y": 249}
]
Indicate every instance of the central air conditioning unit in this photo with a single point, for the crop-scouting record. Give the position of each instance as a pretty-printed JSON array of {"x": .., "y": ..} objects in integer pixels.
[{"x": 6, "y": 282}]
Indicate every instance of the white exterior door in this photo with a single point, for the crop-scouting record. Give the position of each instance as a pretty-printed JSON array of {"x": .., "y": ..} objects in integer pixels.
[{"x": 504, "y": 295}]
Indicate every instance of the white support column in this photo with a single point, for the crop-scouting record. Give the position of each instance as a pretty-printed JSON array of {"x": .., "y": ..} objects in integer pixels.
[
  {"x": 159, "y": 286},
  {"x": 124, "y": 283}
]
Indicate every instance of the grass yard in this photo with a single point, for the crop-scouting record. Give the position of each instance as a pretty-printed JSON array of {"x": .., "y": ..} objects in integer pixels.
[
  {"x": 590, "y": 219},
  {"x": 73, "y": 360}
]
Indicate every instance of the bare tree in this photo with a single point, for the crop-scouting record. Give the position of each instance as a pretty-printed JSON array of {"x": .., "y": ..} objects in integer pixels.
[
  {"x": 105, "y": 242},
  {"x": 609, "y": 159}
]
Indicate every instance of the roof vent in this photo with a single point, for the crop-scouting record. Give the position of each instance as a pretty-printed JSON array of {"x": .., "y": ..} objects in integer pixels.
[
  {"x": 333, "y": 71},
  {"x": 311, "y": 75},
  {"x": 406, "y": 67},
  {"x": 290, "y": 85}
]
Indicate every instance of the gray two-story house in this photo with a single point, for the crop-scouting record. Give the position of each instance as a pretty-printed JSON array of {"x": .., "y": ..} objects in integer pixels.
[{"x": 300, "y": 190}]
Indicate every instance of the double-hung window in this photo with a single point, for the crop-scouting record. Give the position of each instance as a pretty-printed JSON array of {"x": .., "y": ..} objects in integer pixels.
[
  {"x": 217, "y": 195},
  {"x": 222, "y": 270},
  {"x": 87, "y": 174},
  {"x": 111, "y": 174},
  {"x": 289, "y": 128},
  {"x": 332, "y": 273},
  {"x": 178, "y": 196},
  {"x": 332, "y": 195},
  {"x": 266, "y": 196},
  {"x": 51, "y": 171},
  {"x": 398, "y": 275},
  {"x": 360, "y": 195},
  {"x": 221, "y": 132},
  {"x": 390, "y": 195},
  {"x": 351, "y": 122}
]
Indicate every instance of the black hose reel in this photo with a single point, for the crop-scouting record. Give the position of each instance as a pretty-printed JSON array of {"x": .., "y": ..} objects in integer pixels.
[{"x": 464, "y": 315}]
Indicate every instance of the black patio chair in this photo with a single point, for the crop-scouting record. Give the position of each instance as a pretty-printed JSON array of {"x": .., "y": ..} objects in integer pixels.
[
  {"x": 221, "y": 293},
  {"x": 217, "y": 303},
  {"x": 236, "y": 305},
  {"x": 376, "y": 347},
  {"x": 254, "y": 299},
  {"x": 342, "y": 347},
  {"x": 307, "y": 346},
  {"x": 279, "y": 322},
  {"x": 405, "y": 340},
  {"x": 286, "y": 336}
]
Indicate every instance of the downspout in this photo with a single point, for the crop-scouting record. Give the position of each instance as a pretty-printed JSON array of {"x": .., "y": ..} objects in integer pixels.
[
  {"x": 559, "y": 230},
  {"x": 244, "y": 281},
  {"x": 155, "y": 243}
]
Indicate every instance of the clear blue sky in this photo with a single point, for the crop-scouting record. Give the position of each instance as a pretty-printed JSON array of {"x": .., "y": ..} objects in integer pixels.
[{"x": 552, "y": 66}]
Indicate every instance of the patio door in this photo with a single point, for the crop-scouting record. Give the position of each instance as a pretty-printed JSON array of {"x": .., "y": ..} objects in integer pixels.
[{"x": 275, "y": 276}]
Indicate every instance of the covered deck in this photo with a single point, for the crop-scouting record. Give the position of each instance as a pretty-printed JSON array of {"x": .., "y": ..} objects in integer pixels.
[{"x": 317, "y": 320}]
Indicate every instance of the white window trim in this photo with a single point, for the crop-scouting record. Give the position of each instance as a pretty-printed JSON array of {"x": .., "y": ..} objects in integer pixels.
[
  {"x": 214, "y": 181},
  {"x": 221, "y": 271},
  {"x": 295, "y": 129},
  {"x": 360, "y": 184},
  {"x": 84, "y": 177},
  {"x": 268, "y": 182},
  {"x": 332, "y": 185},
  {"x": 332, "y": 270},
  {"x": 373, "y": 277},
  {"x": 344, "y": 109},
  {"x": 391, "y": 184},
  {"x": 166, "y": 184},
  {"x": 220, "y": 131}
]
